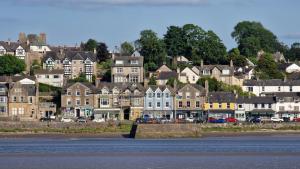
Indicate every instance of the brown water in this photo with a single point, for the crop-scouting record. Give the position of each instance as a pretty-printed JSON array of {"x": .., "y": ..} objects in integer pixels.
[{"x": 263, "y": 152}]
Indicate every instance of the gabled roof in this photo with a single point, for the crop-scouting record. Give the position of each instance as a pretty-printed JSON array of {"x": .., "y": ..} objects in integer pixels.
[
  {"x": 86, "y": 84},
  {"x": 127, "y": 61},
  {"x": 46, "y": 71},
  {"x": 196, "y": 86},
  {"x": 256, "y": 100},
  {"x": 162, "y": 88},
  {"x": 12, "y": 46},
  {"x": 221, "y": 97},
  {"x": 166, "y": 75},
  {"x": 220, "y": 67},
  {"x": 70, "y": 55}
]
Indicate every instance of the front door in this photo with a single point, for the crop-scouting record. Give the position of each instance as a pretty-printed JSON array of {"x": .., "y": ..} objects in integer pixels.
[
  {"x": 126, "y": 114},
  {"x": 77, "y": 112}
]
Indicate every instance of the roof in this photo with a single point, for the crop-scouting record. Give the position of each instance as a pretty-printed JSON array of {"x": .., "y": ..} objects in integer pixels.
[
  {"x": 15, "y": 78},
  {"x": 86, "y": 84},
  {"x": 61, "y": 54},
  {"x": 166, "y": 75},
  {"x": 162, "y": 88},
  {"x": 271, "y": 82},
  {"x": 256, "y": 100},
  {"x": 196, "y": 86},
  {"x": 12, "y": 46},
  {"x": 127, "y": 61},
  {"x": 220, "y": 67},
  {"x": 46, "y": 71},
  {"x": 122, "y": 86},
  {"x": 221, "y": 97}
]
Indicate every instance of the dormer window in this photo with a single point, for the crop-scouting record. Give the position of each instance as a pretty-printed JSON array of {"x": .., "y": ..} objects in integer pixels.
[
  {"x": 225, "y": 71},
  {"x": 206, "y": 72},
  {"x": 119, "y": 70},
  {"x": 134, "y": 62},
  {"x": 119, "y": 62}
]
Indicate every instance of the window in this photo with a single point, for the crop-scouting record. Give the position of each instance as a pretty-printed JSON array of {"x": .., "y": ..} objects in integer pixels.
[
  {"x": 225, "y": 71},
  {"x": 250, "y": 89},
  {"x": 220, "y": 105},
  {"x": 194, "y": 78},
  {"x": 2, "y": 99},
  {"x": 262, "y": 106},
  {"x": 2, "y": 109},
  {"x": 206, "y": 72},
  {"x": 69, "y": 92},
  {"x": 188, "y": 104},
  {"x": 56, "y": 76},
  {"x": 149, "y": 95},
  {"x": 210, "y": 105},
  {"x": 270, "y": 106},
  {"x": 77, "y": 93},
  {"x": 255, "y": 105},
  {"x": 133, "y": 79},
  {"x": 14, "y": 98},
  {"x": 77, "y": 102},
  {"x": 291, "y": 88},
  {"x": 157, "y": 104},
  {"x": 134, "y": 62},
  {"x": 180, "y": 104},
  {"x": 47, "y": 76},
  {"x": 87, "y": 92},
  {"x": 14, "y": 111},
  {"x": 158, "y": 95},
  {"x": 21, "y": 99},
  {"x": 149, "y": 104},
  {"x": 69, "y": 102},
  {"x": 136, "y": 101},
  {"x": 240, "y": 106},
  {"x": 104, "y": 102},
  {"x": 197, "y": 104},
  {"x": 187, "y": 95},
  {"x": 197, "y": 94},
  {"x": 228, "y": 105},
  {"x": 74, "y": 62},
  {"x": 21, "y": 111},
  {"x": 119, "y": 62},
  {"x": 167, "y": 95},
  {"x": 134, "y": 70},
  {"x": 167, "y": 104},
  {"x": 30, "y": 99},
  {"x": 279, "y": 88},
  {"x": 263, "y": 88},
  {"x": 296, "y": 108},
  {"x": 119, "y": 70},
  {"x": 87, "y": 101}
]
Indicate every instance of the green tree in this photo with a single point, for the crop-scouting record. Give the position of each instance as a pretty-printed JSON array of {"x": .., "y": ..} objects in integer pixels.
[
  {"x": 236, "y": 57},
  {"x": 10, "y": 65},
  {"x": 102, "y": 52},
  {"x": 151, "y": 47},
  {"x": 80, "y": 78},
  {"x": 267, "y": 68},
  {"x": 294, "y": 52},
  {"x": 175, "y": 41},
  {"x": 213, "y": 83},
  {"x": 127, "y": 49},
  {"x": 172, "y": 80},
  {"x": 253, "y": 36},
  {"x": 152, "y": 81},
  {"x": 90, "y": 45},
  {"x": 36, "y": 65}
]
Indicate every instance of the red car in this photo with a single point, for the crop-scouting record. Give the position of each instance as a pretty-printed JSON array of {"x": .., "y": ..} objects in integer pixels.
[
  {"x": 231, "y": 120},
  {"x": 296, "y": 119}
]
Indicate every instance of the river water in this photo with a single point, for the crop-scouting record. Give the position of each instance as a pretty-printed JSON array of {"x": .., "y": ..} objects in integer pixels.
[{"x": 245, "y": 152}]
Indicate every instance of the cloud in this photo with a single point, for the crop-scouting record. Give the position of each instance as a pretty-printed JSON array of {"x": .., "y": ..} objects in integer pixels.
[{"x": 292, "y": 36}]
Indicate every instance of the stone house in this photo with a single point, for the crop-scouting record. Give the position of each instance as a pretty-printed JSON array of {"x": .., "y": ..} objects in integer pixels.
[
  {"x": 189, "y": 101},
  {"x": 14, "y": 48},
  {"x": 128, "y": 69}
]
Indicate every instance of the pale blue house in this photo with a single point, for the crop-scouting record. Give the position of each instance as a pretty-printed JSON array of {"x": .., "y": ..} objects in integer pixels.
[{"x": 158, "y": 102}]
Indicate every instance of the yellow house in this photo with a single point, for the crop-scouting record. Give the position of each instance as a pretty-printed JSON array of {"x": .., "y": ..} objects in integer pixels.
[{"x": 220, "y": 105}]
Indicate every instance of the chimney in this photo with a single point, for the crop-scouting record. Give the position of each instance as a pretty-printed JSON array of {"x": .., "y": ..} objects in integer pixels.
[
  {"x": 8, "y": 41},
  {"x": 201, "y": 63},
  {"x": 178, "y": 70},
  {"x": 95, "y": 51},
  {"x": 285, "y": 78},
  {"x": 206, "y": 87},
  {"x": 97, "y": 82},
  {"x": 27, "y": 42},
  {"x": 231, "y": 63},
  {"x": 61, "y": 51}
]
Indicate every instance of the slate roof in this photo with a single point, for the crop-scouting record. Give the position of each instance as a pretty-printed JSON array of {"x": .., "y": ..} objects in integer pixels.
[
  {"x": 127, "y": 61},
  {"x": 71, "y": 55},
  {"x": 6, "y": 79},
  {"x": 220, "y": 67},
  {"x": 162, "y": 88},
  {"x": 166, "y": 75},
  {"x": 12, "y": 46},
  {"x": 271, "y": 82},
  {"x": 46, "y": 71},
  {"x": 197, "y": 87},
  {"x": 87, "y": 84},
  {"x": 221, "y": 97},
  {"x": 256, "y": 100}
]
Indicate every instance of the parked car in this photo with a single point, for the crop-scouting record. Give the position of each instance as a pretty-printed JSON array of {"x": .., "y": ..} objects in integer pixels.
[
  {"x": 81, "y": 120},
  {"x": 45, "y": 119},
  {"x": 296, "y": 119},
  {"x": 165, "y": 120},
  {"x": 190, "y": 119},
  {"x": 213, "y": 120},
  {"x": 99, "y": 120},
  {"x": 255, "y": 120},
  {"x": 66, "y": 120},
  {"x": 276, "y": 119},
  {"x": 231, "y": 120}
]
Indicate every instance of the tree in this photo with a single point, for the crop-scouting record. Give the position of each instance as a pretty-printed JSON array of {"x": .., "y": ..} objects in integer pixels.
[
  {"x": 10, "y": 65},
  {"x": 175, "y": 41},
  {"x": 80, "y": 78},
  {"x": 172, "y": 80},
  {"x": 102, "y": 52},
  {"x": 90, "y": 45},
  {"x": 267, "y": 68},
  {"x": 152, "y": 81},
  {"x": 236, "y": 57},
  {"x": 127, "y": 49},
  {"x": 253, "y": 37},
  {"x": 151, "y": 47},
  {"x": 294, "y": 52},
  {"x": 35, "y": 66},
  {"x": 213, "y": 83}
]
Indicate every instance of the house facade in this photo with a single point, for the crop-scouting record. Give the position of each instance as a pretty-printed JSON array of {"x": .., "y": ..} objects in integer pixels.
[
  {"x": 187, "y": 75},
  {"x": 14, "y": 48},
  {"x": 3, "y": 100},
  {"x": 77, "y": 100},
  {"x": 287, "y": 105},
  {"x": 158, "y": 102},
  {"x": 189, "y": 101},
  {"x": 127, "y": 69},
  {"x": 261, "y": 87},
  {"x": 54, "y": 77},
  {"x": 74, "y": 63}
]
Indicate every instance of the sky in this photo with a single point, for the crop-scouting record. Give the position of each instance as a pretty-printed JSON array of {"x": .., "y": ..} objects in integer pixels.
[{"x": 69, "y": 22}]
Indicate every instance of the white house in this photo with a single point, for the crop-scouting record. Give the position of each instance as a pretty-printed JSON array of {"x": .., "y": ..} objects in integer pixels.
[
  {"x": 292, "y": 68},
  {"x": 262, "y": 87},
  {"x": 13, "y": 48},
  {"x": 187, "y": 75},
  {"x": 247, "y": 107},
  {"x": 40, "y": 48},
  {"x": 53, "y": 77},
  {"x": 287, "y": 105}
]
